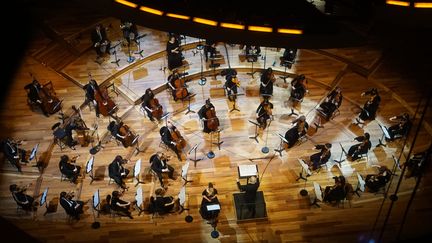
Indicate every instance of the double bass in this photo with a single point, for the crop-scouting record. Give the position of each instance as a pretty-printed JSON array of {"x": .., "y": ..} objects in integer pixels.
[
  {"x": 50, "y": 102},
  {"x": 156, "y": 108},
  {"x": 212, "y": 119},
  {"x": 129, "y": 137},
  {"x": 105, "y": 104}
]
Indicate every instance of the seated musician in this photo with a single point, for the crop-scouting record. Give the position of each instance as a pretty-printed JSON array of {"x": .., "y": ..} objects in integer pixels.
[
  {"x": 101, "y": 44},
  {"x": 264, "y": 113},
  {"x": 370, "y": 107},
  {"x": 250, "y": 190},
  {"x": 297, "y": 131},
  {"x": 252, "y": 52},
  {"x": 13, "y": 153},
  {"x": 202, "y": 113},
  {"x": 119, "y": 205},
  {"x": 288, "y": 57},
  {"x": 69, "y": 168},
  {"x": 298, "y": 88},
  {"x": 70, "y": 126},
  {"x": 146, "y": 98},
  {"x": 72, "y": 207},
  {"x": 117, "y": 172},
  {"x": 332, "y": 102},
  {"x": 179, "y": 90},
  {"x": 130, "y": 31},
  {"x": 402, "y": 128},
  {"x": 415, "y": 165},
  {"x": 209, "y": 197},
  {"x": 231, "y": 85},
  {"x": 174, "y": 55},
  {"x": 363, "y": 147},
  {"x": 90, "y": 89},
  {"x": 376, "y": 181},
  {"x": 33, "y": 90},
  {"x": 159, "y": 165},
  {"x": 321, "y": 157},
  {"x": 267, "y": 80},
  {"x": 163, "y": 204},
  {"x": 167, "y": 138},
  {"x": 23, "y": 200},
  {"x": 122, "y": 133},
  {"x": 209, "y": 48},
  {"x": 335, "y": 192}
]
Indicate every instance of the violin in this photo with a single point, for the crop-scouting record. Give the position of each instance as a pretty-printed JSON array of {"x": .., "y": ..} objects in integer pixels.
[
  {"x": 129, "y": 137},
  {"x": 156, "y": 108},
  {"x": 50, "y": 102},
  {"x": 105, "y": 104},
  {"x": 178, "y": 139},
  {"x": 212, "y": 120}
]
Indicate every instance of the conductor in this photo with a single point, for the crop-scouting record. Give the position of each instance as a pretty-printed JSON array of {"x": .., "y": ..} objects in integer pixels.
[{"x": 250, "y": 190}]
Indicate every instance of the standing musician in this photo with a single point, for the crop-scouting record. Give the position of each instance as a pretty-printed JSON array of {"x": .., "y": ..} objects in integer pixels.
[
  {"x": 332, "y": 102},
  {"x": 69, "y": 168},
  {"x": 298, "y": 88},
  {"x": 363, "y": 147},
  {"x": 171, "y": 137},
  {"x": 371, "y": 106},
  {"x": 72, "y": 207},
  {"x": 130, "y": 31},
  {"x": 250, "y": 190},
  {"x": 117, "y": 172},
  {"x": 159, "y": 165},
  {"x": 175, "y": 57},
  {"x": 297, "y": 131},
  {"x": 264, "y": 112},
  {"x": 321, "y": 157},
  {"x": 402, "y": 128},
  {"x": 267, "y": 80},
  {"x": 23, "y": 200},
  {"x": 231, "y": 85},
  {"x": 90, "y": 89},
  {"x": 177, "y": 85},
  {"x": 99, "y": 95},
  {"x": 151, "y": 105},
  {"x": 101, "y": 44},
  {"x": 207, "y": 114},
  {"x": 13, "y": 153},
  {"x": 122, "y": 133},
  {"x": 252, "y": 53}
]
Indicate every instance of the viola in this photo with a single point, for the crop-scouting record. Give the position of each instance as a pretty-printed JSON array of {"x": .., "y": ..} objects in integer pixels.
[
  {"x": 212, "y": 120},
  {"x": 50, "y": 102},
  {"x": 178, "y": 139},
  {"x": 129, "y": 137},
  {"x": 105, "y": 104},
  {"x": 156, "y": 108}
]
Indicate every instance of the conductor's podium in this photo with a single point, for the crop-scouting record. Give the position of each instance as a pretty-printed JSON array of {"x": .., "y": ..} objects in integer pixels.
[{"x": 244, "y": 211}]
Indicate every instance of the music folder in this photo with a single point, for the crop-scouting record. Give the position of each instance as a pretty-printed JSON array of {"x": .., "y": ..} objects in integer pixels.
[
  {"x": 137, "y": 168},
  {"x": 182, "y": 195},
  {"x": 305, "y": 166},
  {"x": 318, "y": 192},
  {"x": 43, "y": 197},
  {"x": 361, "y": 182},
  {"x": 96, "y": 199},
  {"x": 89, "y": 166},
  {"x": 385, "y": 131},
  {"x": 213, "y": 207},
  {"x": 185, "y": 169},
  {"x": 139, "y": 197},
  {"x": 33, "y": 152}
]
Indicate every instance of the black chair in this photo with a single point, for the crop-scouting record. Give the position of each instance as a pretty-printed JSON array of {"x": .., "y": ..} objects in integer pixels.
[{"x": 59, "y": 135}]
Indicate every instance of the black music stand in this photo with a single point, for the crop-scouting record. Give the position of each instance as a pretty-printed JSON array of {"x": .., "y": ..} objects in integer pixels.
[
  {"x": 281, "y": 146},
  {"x": 318, "y": 125},
  {"x": 218, "y": 143},
  {"x": 252, "y": 58},
  {"x": 194, "y": 148},
  {"x": 184, "y": 172},
  {"x": 306, "y": 169},
  {"x": 137, "y": 40},
  {"x": 116, "y": 61},
  {"x": 266, "y": 149},
  {"x": 396, "y": 165},
  {"x": 137, "y": 169},
  {"x": 89, "y": 169},
  {"x": 292, "y": 113},
  {"x": 43, "y": 201},
  {"x": 189, "y": 97},
  {"x": 342, "y": 153},
  {"x": 256, "y": 131},
  {"x": 214, "y": 65},
  {"x": 95, "y": 207},
  {"x": 318, "y": 195},
  {"x": 234, "y": 98},
  {"x": 285, "y": 63},
  {"x": 385, "y": 134}
]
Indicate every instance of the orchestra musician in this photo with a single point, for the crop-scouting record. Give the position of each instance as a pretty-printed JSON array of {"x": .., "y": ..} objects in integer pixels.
[
  {"x": 402, "y": 128},
  {"x": 177, "y": 85},
  {"x": 332, "y": 102},
  {"x": 363, "y": 147},
  {"x": 297, "y": 131},
  {"x": 298, "y": 88},
  {"x": 207, "y": 114},
  {"x": 415, "y": 165},
  {"x": 175, "y": 57},
  {"x": 130, "y": 30},
  {"x": 267, "y": 80},
  {"x": 90, "y": 89},
  {"x": 322, "y": 156},
  {"x": 70, "y": 126},
  {"x": 69, "y": 168},
  {"x": 250, "y": 190},
  {"x": 151, "y": 105},
  {"x": 163, "y": 204},
  {"x": 72, "y": 207},
  {"x": 171, "y": 137},
  {"x": 231, "y": 85},
  {"x": 101, "y": 44},
  {"x": 252, "y": 52},
  {"x": 209, "y": 197},
  {"x": 159, "y": 165},
  {"x": 13, "y": 153},
  {"x": 370, "y": 107},
  {"x": 119, "y": 205},
  {"x": 335, "y": 192},
  {"x": 264, "y": 113},
  {"x": 122, "y": 133},
  {"x": 209, "y": 48},
  {"x": 23, "y": 200},
  {"x": 33, "y": 90},
  {"x": 376, "y": 181},
  {"x": 117, "y": 172}
]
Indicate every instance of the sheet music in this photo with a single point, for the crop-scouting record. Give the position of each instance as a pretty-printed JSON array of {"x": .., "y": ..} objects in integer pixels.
[
  {"x": 213, "y": 207},
  {"x": 185, "y": 169},
  {"x": 247, "y": 170},
  {"x": 182, "y": 195},
  {"x": 318, "y": 192},
  {"x": 33, "y": 152},
  {"x": 43, "y": 197},
  {"x": 89, "y": 166},
  {"x": 96, "y": 199},
  {"x": 139, "y": 197},
  {"x": 305, "y": 167},
  {"x": 137, "y": 168},
  {"x": 361, "y": 182}
]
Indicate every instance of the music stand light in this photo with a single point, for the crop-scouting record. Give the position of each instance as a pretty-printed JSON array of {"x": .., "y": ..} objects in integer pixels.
[
  {"x": 385, "y": 134},
  {"x": 305, "y": 168},
  {"x": 89, "y": 168},
  {"x": 194, "y": 148},
  {"x": 318, "y": 195},
  {"x": 139, "y": 200},
  {"x": 184, "y": 172},
  {"x": 137, "y": 169}
]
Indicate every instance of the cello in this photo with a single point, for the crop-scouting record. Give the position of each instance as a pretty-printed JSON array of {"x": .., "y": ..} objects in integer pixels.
[
  {"x": 180, "y": 91},
  {"x": 156, "y": 108},
  {"x": 212, "y": 119},
  {"x": 178, "y": 139},
  {"x": 105, "y": 104},
  {"x": 50, "y": 102},
  {"x": 129, "y": 137}
]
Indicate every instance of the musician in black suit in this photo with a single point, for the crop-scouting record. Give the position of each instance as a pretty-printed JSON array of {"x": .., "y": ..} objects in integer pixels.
[
  {"x": 69, "y": 168},
  {"x": 25, "y": 201},
  {"x": 264, "y": 112},
  {"x": 250, "y": 190},
  {"x": 376, "y": 181},
  {"x": 33, "y": 90},
  {"x": 175, "y": 57},
  {"x": 146, "y": 98},
  {"x": 332, "y": 102},
  {"x": 72, "y": 207},
  {"x": 363, "y": 147},
  {"x": 371, "y": 106},
  {"x": 297, "y": 131},
  {"x": 267, "y": 80},
  {"x": 101, "y": 44},
  {"x": 163, "y": 204},
  {"x": 130, "y": 30},
  {"x": 288, "y": 57},
  {"x": 298, "y": 87},
  {"x": 119, "y": 205},
  {"x": 117, "y": 172},
  {"x": 159, "y": 165},
  {"x": 168, "y": 140},
  {"x": 202, "y": 114},
  {"x": 402, "y": 128},
  {"x": 252, "y": 53},
  {"x": 90, "y": 89},
  {"x": 209, "y": 48},
  {"x": 335, "y": 192},
  {"x": 113, "y": 128},
  {"x": 13, "y": 153},
  {"x": 322, "y": 156}
]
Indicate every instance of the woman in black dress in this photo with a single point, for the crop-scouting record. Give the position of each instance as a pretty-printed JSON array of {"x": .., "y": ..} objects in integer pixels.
[{"x": 209, "y": 197}]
